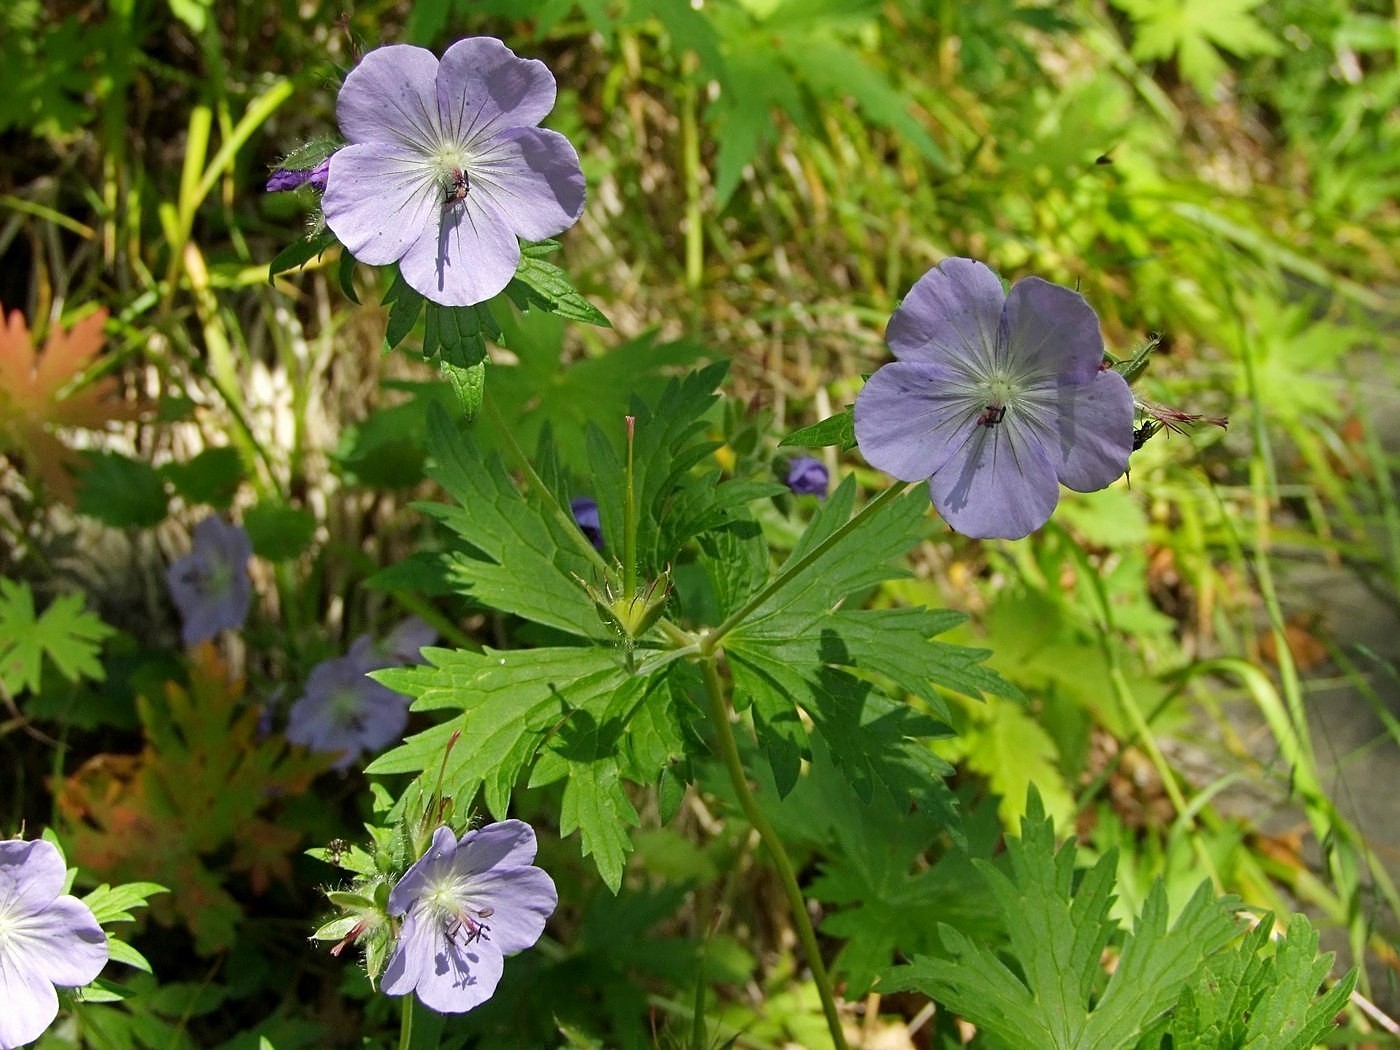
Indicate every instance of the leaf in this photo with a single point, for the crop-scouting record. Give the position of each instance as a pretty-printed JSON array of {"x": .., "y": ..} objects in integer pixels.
[
  {"x": 1193, "y": 30},
  {"x": 468, "y": 385},
  {"x": 839, "y": 429},
  {"x": 506, "y": 703},
  {"x": 300, "y": 252},
  {"x": 458, "y": 334},
  {"x": 69, "y": 636},
  {"x": 521, "y": 558},
  {"x": 40, "y": 392},
  {"x": 279, "y": 532},
  {"x": 405, "y": 305},
  {"x": 542, "y": 285},
  {"x": 120, "y": 491},
  {"x": 212, "y": 477},
  {"x": 1057, "y": 930}
]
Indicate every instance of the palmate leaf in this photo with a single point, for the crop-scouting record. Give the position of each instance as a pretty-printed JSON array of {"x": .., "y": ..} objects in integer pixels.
[
  {"x": 1193, "y": 30},
  {"x": 521, "y": 559},
  {"x": 70, "y": 637},
  {"x": 1057, "y": 931}
]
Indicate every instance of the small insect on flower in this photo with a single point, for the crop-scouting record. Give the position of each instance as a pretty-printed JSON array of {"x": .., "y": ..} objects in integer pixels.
[
  {"x": 993, "y": 415},
  {"x": 457, "y": 190}
]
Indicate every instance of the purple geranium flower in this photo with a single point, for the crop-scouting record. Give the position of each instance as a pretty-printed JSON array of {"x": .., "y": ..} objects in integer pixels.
[
  {"x": 345, "y": 711},
  {"x": 210, "y": 585},
  {"x": 446, "y": 168},
  {"x": 47, "y": 938},
  {"x": 467, "y": 904},
  {"x": 996, "y": 399},
  {"x": 808, "y": 477},
  {"x": 585, "y": 512},
  {"x": 290, "y": 178},
  {"x": 402, "y": 645}
]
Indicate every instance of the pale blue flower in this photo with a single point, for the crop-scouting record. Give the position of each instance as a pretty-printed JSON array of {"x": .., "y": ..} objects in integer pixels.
[
  {"x": 466, "y": 905},
  {"x": 47, "y": 939},
  {"x": 807, "y": 476},
  {"x": 210, "y": 585},
  {"x": 997, "y": 399}
]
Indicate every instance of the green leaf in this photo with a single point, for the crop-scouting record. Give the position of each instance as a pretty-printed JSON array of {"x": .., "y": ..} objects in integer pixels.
[
  {"x": 541, "y": 285},
  {"x": 1057, "y": 928},
  {"x": 212, "y": 477},
  {"x": 279, "y": 532},
  {"x": 1193, "y": 30},
  {"x": 469, "y": 386},
  {"x": 458, "y": 334},
  {"x": 70, "y": 637},
  {"x": 405, "y": 305},
  {"x": 121, "y": 492},
  {"x": 505, "y": 703},
  {"x": 521, "y": 557},
  {"x": 839, "y": 429},
  {"x": 115, "y": 903},
  {"x": 300, "y": 252}
]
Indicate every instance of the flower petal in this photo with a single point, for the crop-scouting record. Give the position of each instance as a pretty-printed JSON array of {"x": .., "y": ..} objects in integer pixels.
[
  {"x": 440, "y": 853},
  {"x": 1095, "y": 433},
  {"x": 533, "y": 176},
  {"x": 64, "y": 944},
  {"x": 468, "y": 260},
  {"x": 391, "y": 97},
  {"x": 521, "y": 899},
  {"x": 912, "y": 416},
  {"x": 380, "y": 200},
  {"x": 951, "y": 315},
  {"x": 30, "y": 1003},
  {"x": 413, "y": 952},
  {"x": 461, "y": 976},
  {"x": 1052, "y": 331},
  {"x": 1000, "y": 484},
  {"x": 483, "y": 88},
  {"x": 31, "y": 875},
  {"x": 504, "y": 844}
]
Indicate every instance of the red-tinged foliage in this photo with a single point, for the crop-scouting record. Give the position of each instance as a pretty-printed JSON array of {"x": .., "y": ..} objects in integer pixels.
[
  {"x": 195, "y": 807},
  {"x": 38, "y": 395}
]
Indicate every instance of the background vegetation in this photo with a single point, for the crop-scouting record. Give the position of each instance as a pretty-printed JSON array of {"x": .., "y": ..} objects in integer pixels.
[{"x": 766, "y": 179}]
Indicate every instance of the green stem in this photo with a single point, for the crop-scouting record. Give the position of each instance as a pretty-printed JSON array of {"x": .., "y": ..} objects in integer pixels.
[
  {"x": 629, "y": 522},
  {"x": 406, "y": 1022},
  {"x": 790, "y": 570},
  {"x": 729, "y": 751}
]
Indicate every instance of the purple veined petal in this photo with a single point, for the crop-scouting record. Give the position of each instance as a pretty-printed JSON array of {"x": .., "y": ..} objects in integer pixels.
[
  {"x": 1095, "y": 432},
  {"x": 468, "y": 260},
  {"x": 483, "y": 87},
  {"x": 380, "y": 200},
  {"x": 440, "y": 854},
  {"x": 462, "y": 976},
  {"x": 413, "y": 953},
  {"x": 505, "y": 844},
  {"x": 533, "y": 176},
  {"x": 31, "y": 874},
  {"x": 913, "y": 416},
  {"x": 31, "y": 1004},
  {"x": 1052, "y": 331},
  {"x": 69, "y": 948},
  {"x": 951, "y": 316},
  {"x": 521, "y": 900},
  {"x": 999, "y": 485},
  {"x": 391, "y": 97}
]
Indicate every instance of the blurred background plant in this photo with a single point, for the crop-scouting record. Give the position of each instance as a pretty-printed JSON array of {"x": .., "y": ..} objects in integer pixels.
[{"x": 766, "y": 178}]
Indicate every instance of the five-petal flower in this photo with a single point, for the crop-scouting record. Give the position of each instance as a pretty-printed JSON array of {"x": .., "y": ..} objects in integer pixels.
[
  {"x": 467, "y": 904},
  {"x": 210, "y": 585},
  {"x": 446, "y": 168},
  {"x": 997, "y": 399},
  {"x": 47, "y": 938}
]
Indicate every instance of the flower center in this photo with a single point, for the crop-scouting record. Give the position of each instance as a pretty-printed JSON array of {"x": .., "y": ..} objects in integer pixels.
[{"x": 451, "y": 905}]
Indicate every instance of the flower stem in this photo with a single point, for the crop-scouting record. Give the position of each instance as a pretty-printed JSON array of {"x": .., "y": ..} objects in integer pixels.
[
  {"x": 729, "y": 751},
  {"x": 405, "y": 1022}
]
